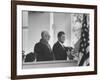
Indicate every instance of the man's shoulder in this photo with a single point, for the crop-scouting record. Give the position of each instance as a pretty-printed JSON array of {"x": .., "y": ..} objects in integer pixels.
[
  {"x": 56, "y": 44},
  {"x": 38, "y": 44}
]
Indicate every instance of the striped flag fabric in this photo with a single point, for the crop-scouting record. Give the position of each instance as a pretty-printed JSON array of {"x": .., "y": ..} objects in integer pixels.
[{"x": 84, "y": 43}]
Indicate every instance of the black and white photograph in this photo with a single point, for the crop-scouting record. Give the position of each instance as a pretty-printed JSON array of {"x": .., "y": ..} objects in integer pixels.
[
  {"x": 52, "y": 39},
  {"x": 55, "y": 37}
]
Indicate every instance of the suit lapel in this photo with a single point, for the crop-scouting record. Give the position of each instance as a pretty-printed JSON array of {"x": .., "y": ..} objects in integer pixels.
[{"x": 61, "y": 46}]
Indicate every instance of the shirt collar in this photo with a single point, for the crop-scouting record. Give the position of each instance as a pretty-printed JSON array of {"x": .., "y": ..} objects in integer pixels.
[{"x": 61, "y": 44}]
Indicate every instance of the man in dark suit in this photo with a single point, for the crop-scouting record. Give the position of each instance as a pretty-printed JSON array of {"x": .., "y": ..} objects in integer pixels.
[
  {"x": 59, "y": 49},
  {"x": 42, "y": 49}
]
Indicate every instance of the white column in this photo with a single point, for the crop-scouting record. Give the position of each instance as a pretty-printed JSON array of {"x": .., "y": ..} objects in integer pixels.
[{"x": 51, "y": 29}]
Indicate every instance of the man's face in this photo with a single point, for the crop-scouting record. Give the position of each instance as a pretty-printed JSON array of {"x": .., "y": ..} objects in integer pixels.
[
  {"x": 46, "y": 36},
  {"x": 62, "y": 38}
]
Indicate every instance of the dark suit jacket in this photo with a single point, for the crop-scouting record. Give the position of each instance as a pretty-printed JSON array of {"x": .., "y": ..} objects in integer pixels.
[
  {"x": 59, "y": 52},
  {"x": 43, "y": 52}
]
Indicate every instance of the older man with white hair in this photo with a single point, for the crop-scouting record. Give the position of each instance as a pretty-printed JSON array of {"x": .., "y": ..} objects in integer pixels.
[{"x": 42, "y": 49}]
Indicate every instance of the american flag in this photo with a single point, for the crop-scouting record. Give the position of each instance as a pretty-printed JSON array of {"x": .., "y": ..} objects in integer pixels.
[{"x": 84, "y": 43}]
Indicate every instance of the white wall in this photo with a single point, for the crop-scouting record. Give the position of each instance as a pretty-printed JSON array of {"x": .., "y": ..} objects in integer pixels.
[{"x": 5, "y": 41}]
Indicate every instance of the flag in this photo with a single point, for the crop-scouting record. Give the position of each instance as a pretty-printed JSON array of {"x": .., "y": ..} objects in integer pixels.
[{"x": 84, "y": 43}]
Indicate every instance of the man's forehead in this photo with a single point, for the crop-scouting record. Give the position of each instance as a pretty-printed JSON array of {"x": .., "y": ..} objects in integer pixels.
[{"x": 63, "y": 35}]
